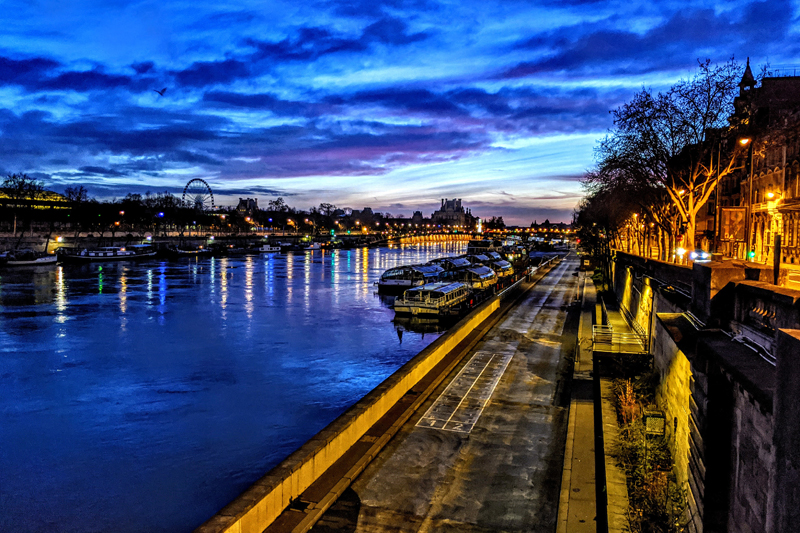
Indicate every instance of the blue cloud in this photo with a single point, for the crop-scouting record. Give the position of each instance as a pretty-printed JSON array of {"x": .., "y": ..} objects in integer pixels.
[
  {"x": 203, "y": 73},
  {"x": 89, "y": 80},
  {"x": 681, "y": 37},
  {"x": 100, "y": 171},
  {"x": 264, "y": 101},
  {"x": 25, "y": 71},
  {"x": 392, "y": 31}
]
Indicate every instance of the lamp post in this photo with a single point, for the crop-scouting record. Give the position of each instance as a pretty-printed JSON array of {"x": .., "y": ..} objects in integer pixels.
[
  {"x": 776, "y": 227},
  {"x": 747, "y": 141}
]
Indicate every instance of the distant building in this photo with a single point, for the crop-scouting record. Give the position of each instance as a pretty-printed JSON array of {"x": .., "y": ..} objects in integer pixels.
[
  {"x": 417, "y": 218},
  {"x": 365, "y": 216},
  {"x": 247, "y": 205},
  {"x": 551, "y": 226},
  {"x": 451, "y": 213},
  {"x": 44, "y": 200}
]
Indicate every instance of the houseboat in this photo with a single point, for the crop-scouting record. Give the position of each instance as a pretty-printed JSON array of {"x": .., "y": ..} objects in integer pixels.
[
  {"x": 451, "y": 264},
  {"x": 481, "y": 246},
  {"x": 479, "y": 278},
  {"x": 502, "y": 267},
  {"x": 187, "y": 251},
  {"x": 406, "y": 277},
  {"x": 107, "y": 253},
  {"x": 27, "y": 258},
  {"x": 439, "y": 298},
  {"x": 269, "y": 249},
  {"x": 479, "y": 259}
]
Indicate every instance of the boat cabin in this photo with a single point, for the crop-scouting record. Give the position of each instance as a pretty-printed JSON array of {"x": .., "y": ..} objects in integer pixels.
[
  {"x": 432, "y": 298},
  {"x": 478, "y": 277},
  {"x": 502, "y": 267},
  {"x": 404, "y": 277},
  {"x": 450, "y": 264}
]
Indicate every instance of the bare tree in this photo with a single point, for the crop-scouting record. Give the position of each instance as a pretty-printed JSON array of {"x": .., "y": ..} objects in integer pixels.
[
  {"x": 77, "y": 194},
  {"x": 676, "y": 141},
  {"x": 22, "y": 190},
  {"x": 327, "y": 209},
  {"x": 278, "y": 205}
]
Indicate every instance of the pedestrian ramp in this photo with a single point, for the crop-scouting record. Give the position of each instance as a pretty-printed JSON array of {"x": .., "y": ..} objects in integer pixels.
[
  {"x": 459, "y": 407},
  {"x": 614, "y": 333}
]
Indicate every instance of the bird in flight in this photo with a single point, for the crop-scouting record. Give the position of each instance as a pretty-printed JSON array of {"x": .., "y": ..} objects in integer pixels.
[{"x": 161, "y": 92}]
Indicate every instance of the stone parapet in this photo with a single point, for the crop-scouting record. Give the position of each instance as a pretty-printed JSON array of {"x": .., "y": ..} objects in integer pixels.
[
  {"x": 786, "y": 503},
  {"x": 712, "y": 287}
]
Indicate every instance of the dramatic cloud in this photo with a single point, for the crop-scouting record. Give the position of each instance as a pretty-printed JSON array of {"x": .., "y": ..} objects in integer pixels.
[{"x": 389, "y": 103}]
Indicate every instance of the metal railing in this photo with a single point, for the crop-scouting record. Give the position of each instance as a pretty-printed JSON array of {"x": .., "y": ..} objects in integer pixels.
[
  {"x": 605, "y": 339},
  {"x": 604, "y": 316}
]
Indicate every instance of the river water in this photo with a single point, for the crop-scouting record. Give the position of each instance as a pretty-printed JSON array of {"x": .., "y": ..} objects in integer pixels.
[{"x": 144, "y": 396}]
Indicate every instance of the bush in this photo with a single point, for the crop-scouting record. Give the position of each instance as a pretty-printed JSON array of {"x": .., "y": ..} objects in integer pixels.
[{"x": 655, "y": 503}]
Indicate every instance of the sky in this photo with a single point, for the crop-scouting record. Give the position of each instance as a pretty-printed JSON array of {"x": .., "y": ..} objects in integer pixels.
[{"x": 390, "y": 104}]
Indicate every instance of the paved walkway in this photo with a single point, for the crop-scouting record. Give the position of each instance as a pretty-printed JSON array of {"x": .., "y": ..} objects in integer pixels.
[
  {"x": 578, "y": 504},
  {"x": 485, "y": 453}
]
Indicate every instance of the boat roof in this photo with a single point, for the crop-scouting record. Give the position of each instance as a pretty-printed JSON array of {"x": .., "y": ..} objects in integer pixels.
[
  {"x": 458, "y": 261},
  {"x": 502, "y": 263},
  {"x": 425, "y": 270},
  {"x": 481, "y": 270},
  {"x": 443, "y": 287}
]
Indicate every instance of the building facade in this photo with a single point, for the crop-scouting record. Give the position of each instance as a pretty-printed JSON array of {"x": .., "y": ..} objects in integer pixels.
[
  {"x": 759, "y": 215},
  {"x": 452, "y": 213}
]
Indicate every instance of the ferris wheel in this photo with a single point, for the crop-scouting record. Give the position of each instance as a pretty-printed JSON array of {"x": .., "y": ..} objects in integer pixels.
[{"x": 198, "y": 194}]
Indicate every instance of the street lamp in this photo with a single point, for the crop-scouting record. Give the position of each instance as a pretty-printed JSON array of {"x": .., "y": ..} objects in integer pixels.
[{"x": 747, "y": 141}]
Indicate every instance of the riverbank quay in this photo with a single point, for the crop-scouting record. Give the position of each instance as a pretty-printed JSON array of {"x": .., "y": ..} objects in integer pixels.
[
  {"x": 294, "y": 494},
  {"x": 485, "y": 452}
]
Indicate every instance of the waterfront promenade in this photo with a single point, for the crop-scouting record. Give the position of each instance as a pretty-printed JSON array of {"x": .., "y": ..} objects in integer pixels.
[{"x": 486, "y": 451}]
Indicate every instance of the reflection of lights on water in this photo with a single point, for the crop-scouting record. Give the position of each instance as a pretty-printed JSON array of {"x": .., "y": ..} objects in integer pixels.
[
  {"x": 335, "y": 267},
  {"x": 365, "y": 267},
  {"x": 149, "y": 287},
  {"x": 309, "y": 258},
  {"x": 61, "y": 296},
  {"x": 269, "y": 278},
  {"x": 223, "y": 286},
  {"x": 212, "y": 273},
  {"x": 162, "y": 287},
  {"x": 123, "y": 292},
  {"x": 248, "y": 287}
]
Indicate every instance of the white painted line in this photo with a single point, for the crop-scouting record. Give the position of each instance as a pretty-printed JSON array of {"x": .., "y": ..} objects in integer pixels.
[{"x": 461, "y": 404}]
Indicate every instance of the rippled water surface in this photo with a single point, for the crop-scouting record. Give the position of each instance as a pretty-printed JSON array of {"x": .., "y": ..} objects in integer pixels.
[{"x": 144, "y": 396}]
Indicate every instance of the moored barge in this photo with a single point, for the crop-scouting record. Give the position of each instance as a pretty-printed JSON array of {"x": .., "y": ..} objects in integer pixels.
[{"x": 439, "y": 298}]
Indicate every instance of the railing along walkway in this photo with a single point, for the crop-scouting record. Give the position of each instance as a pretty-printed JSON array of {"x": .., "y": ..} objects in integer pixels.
[{"x": 616, "y": 335}]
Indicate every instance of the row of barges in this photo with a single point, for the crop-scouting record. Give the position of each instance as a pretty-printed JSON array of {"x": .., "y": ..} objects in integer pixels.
[{"x": 449, "y": 285}]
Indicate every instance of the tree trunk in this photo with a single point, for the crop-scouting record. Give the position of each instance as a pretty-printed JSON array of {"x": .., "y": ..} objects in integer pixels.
[
  {"x": 49, "y": 233},
  {"x": 689, "y": 241}
]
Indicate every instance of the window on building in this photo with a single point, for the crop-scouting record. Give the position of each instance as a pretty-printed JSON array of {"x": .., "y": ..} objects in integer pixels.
[{"x": 796, "y": 225}]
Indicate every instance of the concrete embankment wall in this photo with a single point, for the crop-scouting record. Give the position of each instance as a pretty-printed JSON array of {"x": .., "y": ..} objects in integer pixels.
[{"x": 263, "y": 502}]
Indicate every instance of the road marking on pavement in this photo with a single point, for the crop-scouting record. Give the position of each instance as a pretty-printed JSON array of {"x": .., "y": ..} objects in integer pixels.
[{"x": 462, "y": 402}]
